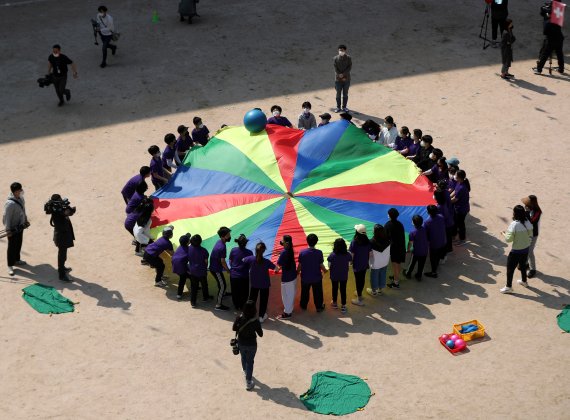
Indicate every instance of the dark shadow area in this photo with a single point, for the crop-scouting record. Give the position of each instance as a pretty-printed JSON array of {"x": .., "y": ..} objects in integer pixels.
[
  {"x": 523, "y": 84},
  {"x": 47, "y": 274},
  {"x": 225, "y": 59},
  {"x": 282, "y": 396}
]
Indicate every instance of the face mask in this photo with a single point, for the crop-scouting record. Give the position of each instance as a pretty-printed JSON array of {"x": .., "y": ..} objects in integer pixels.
[
  {"x": 22, "y": 194},
  {"x": 201, "y": 126},
  {"x": 306, "y": 110},
  {"x": 431, "y": 156},
  {"x": 423, "y": 143},
  {"x": 372, "y": 136},
  {"x": 341, "y": 53},
  {"x": 56, "y": 55},
  {"x": 276, "y": 113}
]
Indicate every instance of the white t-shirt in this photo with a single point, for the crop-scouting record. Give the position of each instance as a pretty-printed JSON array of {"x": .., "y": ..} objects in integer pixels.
[
  {"x": 388, "y": 137},
  {"x": 142, "y": 233},
  {"x": 379, "y": 259},
  {"x": 105, "y": 24}
]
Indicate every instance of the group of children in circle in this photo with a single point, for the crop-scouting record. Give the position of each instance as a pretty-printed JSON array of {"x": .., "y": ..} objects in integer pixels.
[{"x": 431, "y": 237}]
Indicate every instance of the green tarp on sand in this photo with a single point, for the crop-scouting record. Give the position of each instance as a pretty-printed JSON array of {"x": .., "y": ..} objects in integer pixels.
[
  {"x": 336, "y": 393},
  {"x": 46, "y": 300},
  {"x": 564, "y": 319}
]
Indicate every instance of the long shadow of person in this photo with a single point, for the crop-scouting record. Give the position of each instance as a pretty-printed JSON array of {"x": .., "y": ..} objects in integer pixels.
[
  {"x": 282, "y": 396},
  {"x": 47, "y": 274}
]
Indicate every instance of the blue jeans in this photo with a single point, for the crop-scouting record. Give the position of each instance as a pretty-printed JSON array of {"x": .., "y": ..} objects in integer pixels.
[
  {"x": 247, "y": 358},
  {"x": 378, "y": 278},
  {"x": 341, "y": 87}
]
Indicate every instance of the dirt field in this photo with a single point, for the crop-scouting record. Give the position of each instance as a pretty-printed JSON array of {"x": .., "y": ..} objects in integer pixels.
[{"x": 132, "y": 351}]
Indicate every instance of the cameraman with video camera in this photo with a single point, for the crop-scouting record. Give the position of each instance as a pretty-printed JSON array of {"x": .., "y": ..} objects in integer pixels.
[
  {"x": 15, "y": 221},
  {"x": 60, "y": 211},
  {"x": 553, "y": 41}
]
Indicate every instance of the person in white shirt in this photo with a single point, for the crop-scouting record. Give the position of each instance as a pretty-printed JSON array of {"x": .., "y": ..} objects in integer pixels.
[
  {"x": 106, "y": 29},
  {"x": 141, "y": 232},
  {"x": 388, "y": 133},
  {"x": 378, "y": 260}
]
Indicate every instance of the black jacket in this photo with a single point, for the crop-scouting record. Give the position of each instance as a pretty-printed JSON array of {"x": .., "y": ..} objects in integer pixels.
[
  {"x": 247, "y": 336},
  {"x": 63, "y": 231}
]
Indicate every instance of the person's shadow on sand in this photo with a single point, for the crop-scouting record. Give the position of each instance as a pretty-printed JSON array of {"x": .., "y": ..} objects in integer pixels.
[
  {"x": 282, "y": 396},
  {"x": 47, "y": 274}
]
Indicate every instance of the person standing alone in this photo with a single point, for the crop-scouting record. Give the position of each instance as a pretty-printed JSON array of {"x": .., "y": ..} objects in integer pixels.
[
  {"x": 57, "y": 68},
  {"x": 15, "y": 221},
  {"x": 106, "y": 30},
  {"x": 342, "y": 67}
]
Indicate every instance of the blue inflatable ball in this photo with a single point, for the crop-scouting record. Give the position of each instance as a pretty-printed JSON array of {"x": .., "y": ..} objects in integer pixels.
[
  {"x": 450, "y": 344},
  {"x": 255, "y": 120}
]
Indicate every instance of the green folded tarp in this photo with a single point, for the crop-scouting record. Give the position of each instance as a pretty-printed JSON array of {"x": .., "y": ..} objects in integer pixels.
[
  {"x": 564, "y": 319},
  {"x": 336, "y": 393},
  {"x": 46, "y": 300}
]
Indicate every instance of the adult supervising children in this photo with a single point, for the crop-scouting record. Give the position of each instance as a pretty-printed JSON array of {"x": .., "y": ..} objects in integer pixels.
[
  {"x": 286, "y": 263},
  {"x": 259, "y": 278},
  {"x": 342, "y": 67},
  {"x": 534, "y": 213},
  {"x": 519, "y": 233},
  {"x": 15, "y": 221},
  {"x": 397, "y": 235}
]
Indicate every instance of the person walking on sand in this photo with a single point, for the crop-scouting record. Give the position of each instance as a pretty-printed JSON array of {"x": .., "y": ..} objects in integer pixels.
[
  {"x": 247, "y": 328},
  {"x": 533, "y": 213},
  {"x": 507, "y": 42},
  {"x": 519, "y": 233}
]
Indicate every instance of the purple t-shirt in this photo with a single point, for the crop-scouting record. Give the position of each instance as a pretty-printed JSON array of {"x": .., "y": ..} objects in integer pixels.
[
  {"x": 200, "y": 135},
  {"x": 168, "y": 153},
  {"x": 419, "y": 237},
  {"x": 180, "y": 260},
  {"x": 279, "y": 121},
  {"x": 130, "y": 187},
  {"x": 218, "y": 252},
  {"x": 156, "y": 167},
  {"x": 435, "y": 229},
  {"x": 134, "y": 202},
  {"x": 447, "y": 215},
  {"x": 338, "y": 266},
  {"x": 361, "y": 256},
  {"x": 198, "y": 261},
  {"x": 414, "y": 148},
  {"x": 462, "y": 196},
  {"x": 311, "y": 260},
  {"x": 159, "y": 246},
  {"x": 259, "y": 273},
  {"x": 239, "y": 269},
  {"x": 183, "y": 143},
  {"x": 131, "y": 220},
  {"x": 287, "y": 274},
  {"x": 402, "y": 143}
]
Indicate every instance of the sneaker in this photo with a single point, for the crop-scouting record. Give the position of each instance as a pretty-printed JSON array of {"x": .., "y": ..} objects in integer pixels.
[
  {"x": 443, "y": 260},
  {"x": 343, "y": 309},
  {"x": 139, "y": 254},
  {"x": 103, "y": 65},
  {"x": 222, "y": 308},
  {"x": 537, "y": 71},
  {"x": 20, "y": 262},
  {"x": 522, "y": 283},
  {"x": 322, "y": 308},
  {"x": 334, "y": 305},
  {"x": 68, "y": 269},
  {"x": 531, "y": 274},
  {"x": 494, "y": 44},
  {"x": 394, "y": 285},
  {"x": 144, "y": 262},
  {"x": 65, "y": 278},
  {"x": 372, "y": 292},
  {"x": 60, "y": 103},
  {"x": 431, "y": 274},
  {"x": 510, "y": 75},
  {"x": 357, "y": 302},
  {"x": 193, "y": 304},
  {"x": 560, "y": 71},
  {"x": 164, "y": 278},
  {"x": 284, "y": 315},
  {"x": 178, "y": 297},
  {"x": 407, "y": 274},
  {"x": 160, "y": 283},
  {"x": 345, "y": 109},
  {"x": 10, "y": 270},
  {"x": 337, "y": 109},
  {"x": 249, "y": 385},
  {"x": 506, "y": 290}
]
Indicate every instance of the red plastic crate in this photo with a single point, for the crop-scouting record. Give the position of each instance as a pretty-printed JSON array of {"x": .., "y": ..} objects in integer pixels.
[{"x": 453, "y": 350}]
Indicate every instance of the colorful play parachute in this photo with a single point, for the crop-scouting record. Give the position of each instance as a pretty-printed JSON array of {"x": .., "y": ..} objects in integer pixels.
[{"x": 286, "y": 181}]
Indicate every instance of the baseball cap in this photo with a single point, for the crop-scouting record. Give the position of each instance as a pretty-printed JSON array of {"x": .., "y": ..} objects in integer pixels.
[{"x": 360, "y": 229}]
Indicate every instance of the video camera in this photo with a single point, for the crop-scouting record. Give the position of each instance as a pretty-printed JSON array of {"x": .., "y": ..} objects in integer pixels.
[
  {"x": 45, "y": 81},
  {"x": 57, "y": 205},
  {"x": 546, "y": 9}
]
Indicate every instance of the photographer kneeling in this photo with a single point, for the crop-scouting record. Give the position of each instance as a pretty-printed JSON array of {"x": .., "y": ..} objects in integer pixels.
[{"x": 60, "y": 211}]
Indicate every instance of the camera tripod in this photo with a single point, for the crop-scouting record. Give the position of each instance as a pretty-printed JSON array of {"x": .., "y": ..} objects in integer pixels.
[
  {"x": 548, "y": 67},
  {"x": 485, "y": 24}
]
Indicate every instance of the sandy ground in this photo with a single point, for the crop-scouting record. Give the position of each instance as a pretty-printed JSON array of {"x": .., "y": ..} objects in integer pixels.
[{"x": 132, "y": 351}]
